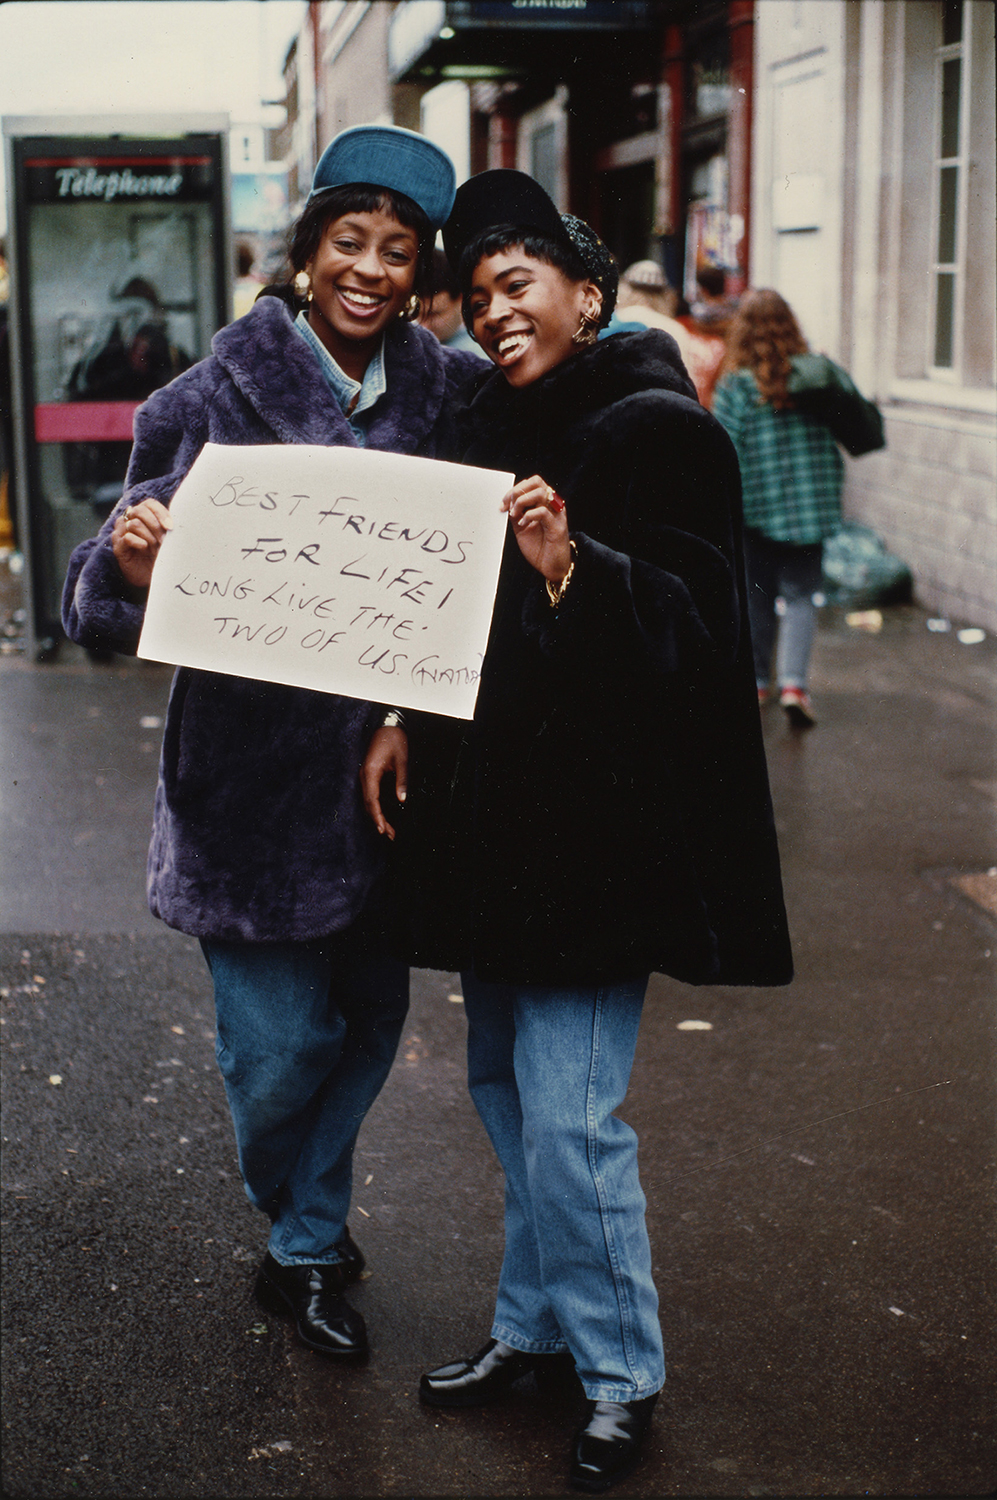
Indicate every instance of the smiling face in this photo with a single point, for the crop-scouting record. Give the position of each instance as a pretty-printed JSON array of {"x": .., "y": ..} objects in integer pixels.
[
  {"x": 362, "y": 275},
  {"x": 525, "y": 311}
]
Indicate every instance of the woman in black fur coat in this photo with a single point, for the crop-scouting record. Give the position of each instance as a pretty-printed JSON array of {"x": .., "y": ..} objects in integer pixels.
[
  {"x": 606, "y": 814},
  {"x": 260, "y": 846}
]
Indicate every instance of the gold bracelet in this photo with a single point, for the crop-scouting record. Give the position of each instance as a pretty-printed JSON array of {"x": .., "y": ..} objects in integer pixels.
[{"x": 555, "y": 591}]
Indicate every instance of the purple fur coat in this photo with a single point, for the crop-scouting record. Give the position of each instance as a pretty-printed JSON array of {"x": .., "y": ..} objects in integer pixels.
[{"x": 259, "y": 832}]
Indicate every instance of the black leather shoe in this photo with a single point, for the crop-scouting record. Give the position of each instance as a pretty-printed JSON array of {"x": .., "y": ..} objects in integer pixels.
[
  {"x": 474, "y": 1382},
  {"x": 313, "y": 1297},
  {"x": 608, "y": 1446}
]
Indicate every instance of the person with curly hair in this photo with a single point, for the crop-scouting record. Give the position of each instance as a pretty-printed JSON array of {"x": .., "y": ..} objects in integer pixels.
[{"x": 792, "y": 475}]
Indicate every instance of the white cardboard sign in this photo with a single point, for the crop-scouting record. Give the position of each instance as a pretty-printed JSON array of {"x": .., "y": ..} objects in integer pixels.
[{"x": 346, "y": 570}]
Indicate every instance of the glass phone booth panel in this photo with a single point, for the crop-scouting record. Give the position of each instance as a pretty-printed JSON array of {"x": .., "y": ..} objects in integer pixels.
[{"x": 124, "y": 277}]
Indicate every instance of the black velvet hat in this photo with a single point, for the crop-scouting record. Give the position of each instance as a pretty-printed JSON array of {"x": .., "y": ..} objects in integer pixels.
[
  {"x": 505, "y": 196},
  {"x": 501, "y": 196}
]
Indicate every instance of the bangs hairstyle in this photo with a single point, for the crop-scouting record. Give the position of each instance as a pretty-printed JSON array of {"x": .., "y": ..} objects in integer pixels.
[
  {"x": 501, "y": 237},
  {"x": 306, "y": 232},
  {"x": 763, "y": 335}
]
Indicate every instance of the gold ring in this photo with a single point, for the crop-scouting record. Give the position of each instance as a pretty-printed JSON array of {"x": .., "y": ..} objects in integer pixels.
[{"x": 553, "y": 501}]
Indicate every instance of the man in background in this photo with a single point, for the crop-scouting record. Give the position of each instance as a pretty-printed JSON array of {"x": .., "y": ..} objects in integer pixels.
[{"x": 442, "y": 314}]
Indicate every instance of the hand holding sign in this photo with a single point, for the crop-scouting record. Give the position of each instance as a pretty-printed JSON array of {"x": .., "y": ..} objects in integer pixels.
[
  {"x": 345, "y": 570},
  {"x": 137, "y": 536}
]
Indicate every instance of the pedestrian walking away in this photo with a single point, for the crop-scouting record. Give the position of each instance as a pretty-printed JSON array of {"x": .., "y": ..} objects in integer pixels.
[
  {"x": 706, "y": 323},
  {"x": 260, "y": 845},
  {"x": 792, "y": 473},
  {"x": 606, "y": 813}
]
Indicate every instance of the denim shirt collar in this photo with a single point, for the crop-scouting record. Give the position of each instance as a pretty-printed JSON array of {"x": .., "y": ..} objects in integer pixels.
[{"x": 371, "y": 389}]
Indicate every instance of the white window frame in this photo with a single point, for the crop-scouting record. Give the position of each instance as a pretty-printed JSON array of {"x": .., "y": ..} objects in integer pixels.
[{"x": 960, "y": 51}]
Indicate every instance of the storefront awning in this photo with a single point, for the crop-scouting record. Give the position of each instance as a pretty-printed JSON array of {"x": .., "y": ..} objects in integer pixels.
[{"x": 430, "y": 40}]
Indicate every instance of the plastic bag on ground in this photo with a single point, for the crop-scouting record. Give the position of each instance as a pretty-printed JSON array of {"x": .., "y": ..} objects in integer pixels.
[{"x": 859, "y": 569}]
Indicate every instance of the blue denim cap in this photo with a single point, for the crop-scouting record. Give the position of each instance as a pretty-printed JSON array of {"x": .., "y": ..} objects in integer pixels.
[{"x": 390, "y": 157}]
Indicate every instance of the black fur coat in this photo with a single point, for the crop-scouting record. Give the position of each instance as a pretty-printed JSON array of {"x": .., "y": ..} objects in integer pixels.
[{"x": 607, "y": 813}]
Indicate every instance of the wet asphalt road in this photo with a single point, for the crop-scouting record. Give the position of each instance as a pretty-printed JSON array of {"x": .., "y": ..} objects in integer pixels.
[{"x": 818, "y": 1165}]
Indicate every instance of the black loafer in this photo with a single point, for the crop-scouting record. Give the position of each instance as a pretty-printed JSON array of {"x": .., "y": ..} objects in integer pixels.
[
  {"x": 607, "y": 1448},
  {"x": 313, "y": 1297},
  {"x": 486, "y": 1377}
]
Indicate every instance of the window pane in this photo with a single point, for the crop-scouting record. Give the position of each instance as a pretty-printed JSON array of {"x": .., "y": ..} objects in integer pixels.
[
  {"x": 951, "y": 22},
  {"x": 951, "y": 80},
  {"x": 948, "y": 190},
  {"x": 944, "y": 310}
]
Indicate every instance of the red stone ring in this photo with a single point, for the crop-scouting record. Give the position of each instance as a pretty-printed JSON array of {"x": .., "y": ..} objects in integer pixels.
[{"x": 553, "y": 501}]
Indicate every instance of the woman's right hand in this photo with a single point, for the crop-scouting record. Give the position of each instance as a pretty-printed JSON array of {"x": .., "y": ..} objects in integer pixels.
[{"x": 136, "y": 539}]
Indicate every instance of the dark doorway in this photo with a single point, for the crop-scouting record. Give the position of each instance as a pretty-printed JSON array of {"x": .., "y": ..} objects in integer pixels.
[{"x": 626, "y": 200}]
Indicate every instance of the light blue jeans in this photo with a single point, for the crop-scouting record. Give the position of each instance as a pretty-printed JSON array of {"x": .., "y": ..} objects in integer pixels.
[
  {"x": 307, "y": 1033},
  {"x": 546, "y": 1068},
  {"x": 793, "y": 573}
]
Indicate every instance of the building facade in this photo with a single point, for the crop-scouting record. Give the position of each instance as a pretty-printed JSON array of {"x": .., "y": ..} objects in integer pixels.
[
  {"x": 637, "y": 116},
  {"x": 841, "y": 151},
  {"x": 873, "y": 214}
]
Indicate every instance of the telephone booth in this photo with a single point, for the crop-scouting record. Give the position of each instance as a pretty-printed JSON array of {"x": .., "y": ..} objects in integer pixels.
[{"x": 121, "y": 271}]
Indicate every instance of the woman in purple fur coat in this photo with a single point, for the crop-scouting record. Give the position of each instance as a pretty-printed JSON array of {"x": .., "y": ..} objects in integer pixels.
[{"x": 260, "y": 845}]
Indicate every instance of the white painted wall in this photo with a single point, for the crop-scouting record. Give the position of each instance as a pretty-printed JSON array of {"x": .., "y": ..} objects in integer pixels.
[{"x": 798, "y": 147}]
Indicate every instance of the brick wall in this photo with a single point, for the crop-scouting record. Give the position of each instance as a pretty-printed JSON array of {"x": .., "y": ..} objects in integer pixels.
[{"x": 932, "y": 496}]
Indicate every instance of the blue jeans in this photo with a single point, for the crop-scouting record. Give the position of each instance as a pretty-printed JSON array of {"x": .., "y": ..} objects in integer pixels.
[
  {"x": 792, "y": 573},
  {"x": 546, "y": 1069},
  {"x": 307, "y": 1033}
]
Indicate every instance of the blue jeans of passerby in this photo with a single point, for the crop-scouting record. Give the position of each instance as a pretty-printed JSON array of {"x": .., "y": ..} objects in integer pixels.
[
  {"x": 546, "y": 1068},
  {"x": 307, "y": 1033},
  {"x": 793, "y": 573}
]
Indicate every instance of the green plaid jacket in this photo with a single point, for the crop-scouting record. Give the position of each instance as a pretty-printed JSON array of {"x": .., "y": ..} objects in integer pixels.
[{"x": 791, "y": 469}]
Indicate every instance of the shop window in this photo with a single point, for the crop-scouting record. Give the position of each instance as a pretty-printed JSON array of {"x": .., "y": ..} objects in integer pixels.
[
  {"x": 708, "y": 78},
  {"x": 644, "y": 103}
]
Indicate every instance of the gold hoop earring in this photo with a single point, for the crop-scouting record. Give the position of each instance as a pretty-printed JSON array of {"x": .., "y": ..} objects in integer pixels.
[
  {"x": 412, "y": 309},
  {"x": 303, "y": 285},
  {"x": 587, "y": 331}
]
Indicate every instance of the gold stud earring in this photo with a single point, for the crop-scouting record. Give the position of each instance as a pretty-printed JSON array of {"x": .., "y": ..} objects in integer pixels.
[
  {"x": 412, "y": 309},
  {"x": 303, "y": 285}
]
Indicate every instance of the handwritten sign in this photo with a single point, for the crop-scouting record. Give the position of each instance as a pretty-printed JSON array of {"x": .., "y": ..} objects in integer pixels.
[{"x": 345, "y": 570}]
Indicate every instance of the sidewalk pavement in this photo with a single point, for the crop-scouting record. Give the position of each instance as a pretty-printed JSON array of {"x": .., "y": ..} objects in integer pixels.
[{"x": 818, "y": 1160}]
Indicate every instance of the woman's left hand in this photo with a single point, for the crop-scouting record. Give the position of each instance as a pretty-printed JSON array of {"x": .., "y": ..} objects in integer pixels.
[
  {"x": 387, "y": 755},
  {"x": 540, "y": 522}
]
